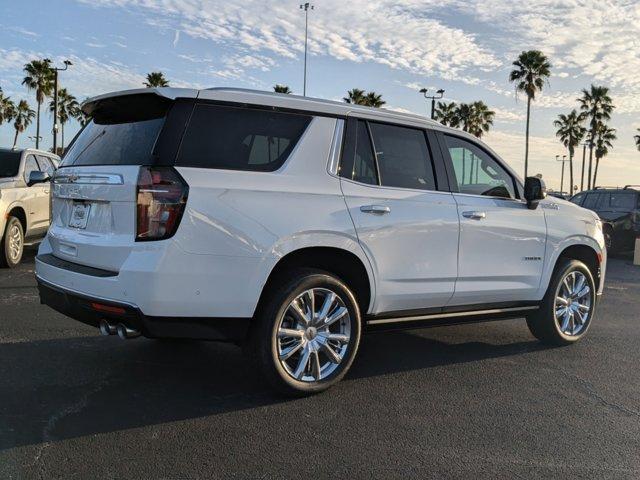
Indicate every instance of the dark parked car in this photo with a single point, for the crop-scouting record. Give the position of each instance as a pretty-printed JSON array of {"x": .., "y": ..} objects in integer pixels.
[{"x": 619, "y": 210}]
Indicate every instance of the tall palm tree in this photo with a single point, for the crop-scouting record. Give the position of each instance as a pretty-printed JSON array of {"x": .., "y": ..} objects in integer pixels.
[
  {"x": 604, "y": 142},
  {"x": 374, "y": 99},
  {"x": 637, "y": 139},
  {"x": 356, "y": 96},
  {"x": 81, "y": 117},
  {"x": 597, "y": 106},
  {"x": 22, "y": 116},
  {"x": 447, "y": 114},
  {"x": 531, "y": 73},
  {"x": 156, "y": 79},
  {"x": 570, "y": 132},
  {"x": 281, "y": 89},
  {"x": 39, "y": 77},
  {"x": 67, "y": 107}
]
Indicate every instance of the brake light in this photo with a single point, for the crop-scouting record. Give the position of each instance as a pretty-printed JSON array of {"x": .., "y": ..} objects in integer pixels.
[{"x": 162, "y": 196}]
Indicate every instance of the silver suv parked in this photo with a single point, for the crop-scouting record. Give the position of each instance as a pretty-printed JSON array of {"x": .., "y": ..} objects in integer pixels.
[{"x": 24, "y": 200}]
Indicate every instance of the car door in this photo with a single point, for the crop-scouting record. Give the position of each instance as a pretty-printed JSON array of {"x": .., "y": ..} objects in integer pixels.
[
  {"x": 502, "y": 242},
  {"x": 407, "y": 226},
  {"x": 36, "y": 200}
]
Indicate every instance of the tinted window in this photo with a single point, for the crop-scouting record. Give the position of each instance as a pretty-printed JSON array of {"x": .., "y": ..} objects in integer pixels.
[
  {"x": 577, "y": 199},
  {"x": 403, "y": 157},
  {"x": 239, "y": 138},
  {"x": 9, "y": 163},
  {"x": 591, "y": 201},
  {"x": 360, "y": 166},
  {"x": 45, "y": 165},
  {"x": 129, "y": 143},
  {"x": 30, "y": 165},
  {"x": 623, "y": 201},
  {"x": 476, "y": 172}
]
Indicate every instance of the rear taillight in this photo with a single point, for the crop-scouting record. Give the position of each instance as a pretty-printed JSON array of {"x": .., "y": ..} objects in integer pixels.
[{"x": 162, "y": 196}]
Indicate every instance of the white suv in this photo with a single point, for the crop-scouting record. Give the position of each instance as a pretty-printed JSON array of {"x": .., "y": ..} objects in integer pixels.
[{"x": 292, "y": 225}]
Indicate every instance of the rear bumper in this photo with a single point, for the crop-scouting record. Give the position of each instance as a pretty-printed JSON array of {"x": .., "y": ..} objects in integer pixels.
[{"x": 83, "y": 308}]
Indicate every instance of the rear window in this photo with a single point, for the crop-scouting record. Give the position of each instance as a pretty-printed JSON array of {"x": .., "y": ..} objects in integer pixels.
[
  {"x": 123, "y": 131},
  {"x": 9, "y": 164},
  {"x": 236, "y": 138}
]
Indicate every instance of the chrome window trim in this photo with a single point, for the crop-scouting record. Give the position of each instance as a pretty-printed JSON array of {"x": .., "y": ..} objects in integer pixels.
[{"x": 336, "y": 147}]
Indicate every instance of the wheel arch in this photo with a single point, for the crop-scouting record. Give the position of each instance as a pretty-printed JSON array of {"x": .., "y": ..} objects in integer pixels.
[
  {"x": 585, "y": 253},
  {"x": 16, "y": 210},
  {"x": 345, "y": 264}
]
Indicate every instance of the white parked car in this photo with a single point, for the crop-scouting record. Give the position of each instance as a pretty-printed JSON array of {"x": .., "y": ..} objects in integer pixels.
[
  {"x": 292, "y": 225},
  {"x": 24, "y": 200}
]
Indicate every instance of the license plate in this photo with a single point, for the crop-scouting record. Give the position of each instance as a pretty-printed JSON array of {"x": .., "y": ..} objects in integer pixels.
[{"x": 79, "y": 215}]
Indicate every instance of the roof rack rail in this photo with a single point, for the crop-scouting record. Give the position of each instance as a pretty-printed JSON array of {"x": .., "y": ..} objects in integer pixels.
[
  {"x": 627, "y": 187},
  {"x": 603, "y": 187}
]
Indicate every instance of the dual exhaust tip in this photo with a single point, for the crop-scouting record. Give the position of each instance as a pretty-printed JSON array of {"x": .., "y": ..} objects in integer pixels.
[{"x": 120, "y": 329}]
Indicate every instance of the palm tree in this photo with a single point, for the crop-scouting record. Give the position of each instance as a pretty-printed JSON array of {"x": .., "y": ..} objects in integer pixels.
[
  {"x": 374, "y": 99},
  {"x": 604, "y": 138},
  {"x": 475, "y": 118},
  {"x": 81, "y": 117},
  {"x": 570, "y": 132},
  {"x": 532, "y": 71},
  {"x": 356, "y": 96},
  {"x": 447, "y": 114},
  {"x": 7, "y": 108},
  {"x": 597, "y": 106},
  {"x": 156, "y": 79},
  {"x": 637, "y": 139},
  {"x": 23, "y": 116},
  {"x": 67, "y": 107},
  {"x": 39, "y": 77},
  {"x": 281, "y": 89}
]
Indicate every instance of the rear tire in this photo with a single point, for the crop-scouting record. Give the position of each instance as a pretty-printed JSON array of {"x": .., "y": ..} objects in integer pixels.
[
  {"x": 306, "y": 333},
  {"x": 12, "y": 244},
  {"x": 568, "y": 307}
]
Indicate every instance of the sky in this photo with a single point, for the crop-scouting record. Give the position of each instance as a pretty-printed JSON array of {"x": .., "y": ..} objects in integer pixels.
[{"x": 391, "y": 47}]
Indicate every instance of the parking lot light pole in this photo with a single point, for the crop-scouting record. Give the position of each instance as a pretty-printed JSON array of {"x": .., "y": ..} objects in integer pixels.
[
  {"x": 564, "y": 159},
  {"x": 56, "y": 126},
  {"x": 584, "y": 155},
  {"x": 306, "y": 7},
  {"x": 439, "y": 94}
]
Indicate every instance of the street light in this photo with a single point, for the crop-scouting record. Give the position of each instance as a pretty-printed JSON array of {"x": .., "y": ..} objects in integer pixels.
[
  {"x": 306, "y": 7},
  {"x": 439, "y": 94},
  {"x": 56, "y": 126},
  {"x": 35, "y": 139},
  {"x": 564, "y": 159}
]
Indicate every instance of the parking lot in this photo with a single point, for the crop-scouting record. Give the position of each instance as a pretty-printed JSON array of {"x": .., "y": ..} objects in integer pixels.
[{"x": 479, "y": 401}]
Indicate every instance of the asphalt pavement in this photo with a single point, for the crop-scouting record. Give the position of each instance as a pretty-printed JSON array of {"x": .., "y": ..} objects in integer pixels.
[{"x": 475, "y": 401}]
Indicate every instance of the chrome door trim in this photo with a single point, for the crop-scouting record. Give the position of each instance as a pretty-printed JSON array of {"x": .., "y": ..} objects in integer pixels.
[{"x": 449, "y": 315}]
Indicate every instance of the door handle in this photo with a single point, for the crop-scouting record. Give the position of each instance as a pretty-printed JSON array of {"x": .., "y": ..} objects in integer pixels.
[
  {"x": 378, "y": 209},
  {"x": 474, "y": 215}
]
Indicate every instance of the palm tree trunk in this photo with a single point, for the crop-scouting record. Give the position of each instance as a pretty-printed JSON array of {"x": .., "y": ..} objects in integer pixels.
[
  {"x": 595, "y": 173},
  {"x": 38, "y": 128},
  {"x": 15, "y": 139},
  {"x": 590, "y": 164},
  {"x": 526, "y": 144},
  {"x": 62, "y": 133},
  {"x": 571, "y": 172}
]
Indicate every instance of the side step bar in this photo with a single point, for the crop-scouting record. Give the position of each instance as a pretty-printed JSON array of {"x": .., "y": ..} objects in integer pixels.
[{"x": 451, "y": 315}]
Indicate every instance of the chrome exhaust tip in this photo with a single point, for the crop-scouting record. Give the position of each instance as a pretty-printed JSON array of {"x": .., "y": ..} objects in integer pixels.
[
  {"x": 126, "y": 333},
  {"x": 106, "y": 328}
]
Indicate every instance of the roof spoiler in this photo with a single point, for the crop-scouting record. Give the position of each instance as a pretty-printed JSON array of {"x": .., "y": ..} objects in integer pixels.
[{"x": 93, "y": 105}]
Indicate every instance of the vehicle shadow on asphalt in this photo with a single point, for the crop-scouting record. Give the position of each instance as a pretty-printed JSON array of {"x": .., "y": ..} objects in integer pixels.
[{"x": 69, "y": 388}]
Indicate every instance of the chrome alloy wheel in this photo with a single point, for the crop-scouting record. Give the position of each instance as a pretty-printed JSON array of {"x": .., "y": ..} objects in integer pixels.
[
  {"x": 573, "y": 303},
  {"x": 15, "y": 243},
  {"x": 313, "y": 335}
]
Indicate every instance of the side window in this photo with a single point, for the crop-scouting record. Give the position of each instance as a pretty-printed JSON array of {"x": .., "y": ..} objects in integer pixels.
[
  {"x": 476, "y": 172},
  {"x": 577, "y": 199},
  {"x": 30, "y": 165},
  {"x": 45, "y": 165},
  {"x": 623, "y": 201},
  {"x": 236, "y": 138},
  {"x": 358, "y": 162},
  {"x": 403, "y": 157},
  {"x": 591, "y": 200}
]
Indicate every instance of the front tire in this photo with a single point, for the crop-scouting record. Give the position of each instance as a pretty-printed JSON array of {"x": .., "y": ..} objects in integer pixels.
[
  {"x": 12, "y": 244},
  {"x": 307, "y": 333},
  {"x": 568, "y": 307}
]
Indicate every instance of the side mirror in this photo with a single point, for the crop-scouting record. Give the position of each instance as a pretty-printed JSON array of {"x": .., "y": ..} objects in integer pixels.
[
  {"x": 534, "y": 191},
  {"x": 36, "y": 176}
]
